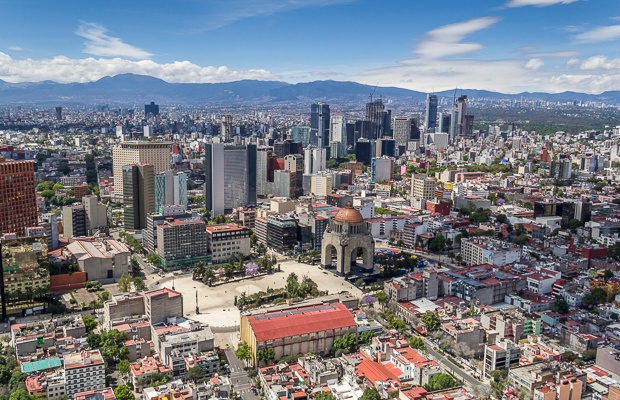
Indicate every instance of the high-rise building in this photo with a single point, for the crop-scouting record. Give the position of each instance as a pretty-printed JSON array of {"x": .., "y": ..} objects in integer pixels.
[
  {"x": 49, "y": 222},
  {"x": 18, "y": 199},
  {"x": 402, "y": 130},
  {"x": 138, "y": 195},
  {"x": 182, "y": 242},
  {"x": 338, "y": 133},
  {"x": 83, "y": 219},
  {"x": 444, "y": 122},
  {"x": 374, "y": 114},
  {"x": 319, "y": 124},
  {"x": 151, "y": 110},
  {"x": 461, "y": 123},
  {"x": 431, "y": 112},
  {"x": 363, "y": 151},
  {"x": 294, "y": 163},
  {"x": 84, "y": 371},
  {"x": 230, "y": 177},
  {"x": 283, "y": 183},
  {"x": 321, "y": 184},
  {"x": 227, "y": 127},
  {"x": 170, "y": 189},
  {"x": 423, "y": 187},
  {"x": 156, "y": 154},
  {"x": 59, "y": 113},
  {"x": 382, "y": 168},
  {"x": 301, "y": 134},
  {"x": 315, "y": 160}
]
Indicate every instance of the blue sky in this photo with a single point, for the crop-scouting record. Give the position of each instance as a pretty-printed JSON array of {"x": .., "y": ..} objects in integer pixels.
[{"x": 501, "y": 45}]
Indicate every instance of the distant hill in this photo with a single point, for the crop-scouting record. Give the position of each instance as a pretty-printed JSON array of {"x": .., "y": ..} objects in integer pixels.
[{"x": 129, "y": 89}]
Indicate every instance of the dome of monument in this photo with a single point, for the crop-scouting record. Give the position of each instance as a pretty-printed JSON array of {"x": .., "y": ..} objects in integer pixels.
[{"x": 349, "y": 214}]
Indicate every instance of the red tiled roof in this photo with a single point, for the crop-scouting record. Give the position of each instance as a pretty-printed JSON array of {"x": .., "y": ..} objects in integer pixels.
[{"x": 294, "y": 322}]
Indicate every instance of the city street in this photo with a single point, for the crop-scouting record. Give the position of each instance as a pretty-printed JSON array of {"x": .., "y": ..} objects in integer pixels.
[
  {"x": 449, "y": 366},
  {"x": 239, "y": 376}
]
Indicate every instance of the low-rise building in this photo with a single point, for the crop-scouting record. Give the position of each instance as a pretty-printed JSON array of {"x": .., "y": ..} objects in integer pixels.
[
  {"x": 295, "y": 330},
  {"x": 501, "y": 356},
  {"x": 146, "y": 367},
  {"x": 103, "y": 260}
]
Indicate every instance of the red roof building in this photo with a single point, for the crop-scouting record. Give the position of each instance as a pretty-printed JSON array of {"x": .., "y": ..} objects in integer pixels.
[{"x": 297, "y": 330}]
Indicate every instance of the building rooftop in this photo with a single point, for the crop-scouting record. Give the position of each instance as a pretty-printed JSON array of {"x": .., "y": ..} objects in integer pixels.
[
  {"x": 101, "y": 394},
  {"x": 299, "y": 321},
  {"x": 83, "y": 359},
  {"x": 158, "y": 292},
  {"x": 225, "y": 228}
]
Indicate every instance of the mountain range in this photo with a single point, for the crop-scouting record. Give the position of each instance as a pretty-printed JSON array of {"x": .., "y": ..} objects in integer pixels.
[{"x": 130, "y": 89}]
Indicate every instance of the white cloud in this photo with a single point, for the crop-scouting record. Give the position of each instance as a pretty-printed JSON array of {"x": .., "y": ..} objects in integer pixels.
[
  {"x": 99, "y": 43},
  {"x": 537, "y": 3},
  {"x": 535, "y": 63},
  {"x": 600, "y": 62},
  {"x": 554, "y": 54},
  {"x": 446, "y": 40},
  {"x": 225, "y": 12},
  {"x": 63, "y": 69},
  {"x": 600, "y": 34},
  {"x": 15, "y": 48}
]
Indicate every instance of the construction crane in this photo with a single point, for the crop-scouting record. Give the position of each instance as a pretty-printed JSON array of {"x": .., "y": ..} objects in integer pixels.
[{"x": 373, "y": 91}]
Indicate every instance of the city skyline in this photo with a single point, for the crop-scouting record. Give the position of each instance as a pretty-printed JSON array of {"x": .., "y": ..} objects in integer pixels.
[{"x": 508, "y": 46}]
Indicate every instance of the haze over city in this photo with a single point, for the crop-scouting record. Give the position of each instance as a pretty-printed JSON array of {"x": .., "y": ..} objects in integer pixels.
[{"x": 508, "y": 46}]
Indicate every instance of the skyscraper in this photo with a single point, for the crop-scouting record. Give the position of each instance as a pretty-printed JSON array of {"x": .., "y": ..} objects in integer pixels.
[
  {"x": 135, "y": 152},
  {"x": 138, "y": 195},
  {"x": 374, "y": 114},
  {"x": 294, "y": 163},
  {"x": 315, "y": 160},
  {"x": 338, "y": 133},
  {"x": 18, "y": 200},
  {"x": 227, "y": 127},
  {"x": 59, "y": 113},
  {"x": 170, "y": 189},
  {"x": 402, "y": 130},
  {"x": 230, "y": 177},
  {"x": 319, "y": 124},
  {"x": 444, "y": 122},
  {"x": 431, "y": 112},
  {"x": 151, "y": 110}
]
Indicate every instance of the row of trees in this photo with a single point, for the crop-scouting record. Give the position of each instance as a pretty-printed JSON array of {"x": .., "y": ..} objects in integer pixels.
[
  {"x": 126, "y": 281},
  {"x": 236, "y": 266}
]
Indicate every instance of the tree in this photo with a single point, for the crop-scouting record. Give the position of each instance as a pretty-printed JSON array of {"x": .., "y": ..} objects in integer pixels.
[
  {"x": 154, "y": 259},
  {"x": 437, "y": 244},
  {"x": 502, "y": 219},
  {"x": 382, "y": 298},
  {"x": 595, "y": 297},
  {"x": 324, "y": 396},
  {"x": 105, "y": 296},
  {"x": 366, "y": 337},
  {"x": 266, "y": 354},
  {"x": 498, "y": 384},
  {"x": 110, "y": 343},
  {"x": 21, "y": 394},
  {"x": 139, "y": 284},
  {"x": 123, "y": 392},
  {"x": 345, "y": 343},
  {"x": 371, "y": 394},
  {"x": 123, "y": 367},
  {"x": 573, "y": 224},
  {"x": 196, "y": 373},
  {"x": 244, "y": 352},
  {"x": 561, "y": 305},
  {"x": 90, "y": 323},
  {"x": 589, "y": 355},
  {"x": 17, "y": 381},
  {"x": 440, "y": 381},
  {"x": 292, "y": 286},
  {"x": 416, "y": 343},
  {"x": 431, "y": 321},
  {"x": 124, "y": 283},
  {"x": 569, "y": 356},
  {"x": 399, "y": 324},
  {"x": 608, "y": 274},
  {"x": 520, "y": 240}
]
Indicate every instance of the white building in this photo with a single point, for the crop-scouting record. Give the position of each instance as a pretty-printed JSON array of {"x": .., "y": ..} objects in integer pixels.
[
  {"x": 84, "y": 371},
  {"x": 315, "y": 159}
]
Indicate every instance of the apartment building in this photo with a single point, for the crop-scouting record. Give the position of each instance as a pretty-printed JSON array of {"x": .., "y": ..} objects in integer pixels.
[{"x": 84, "y": 371}]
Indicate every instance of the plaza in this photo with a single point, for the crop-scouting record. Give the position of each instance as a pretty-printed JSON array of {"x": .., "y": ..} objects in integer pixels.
[{"x": 216, "y": 304}]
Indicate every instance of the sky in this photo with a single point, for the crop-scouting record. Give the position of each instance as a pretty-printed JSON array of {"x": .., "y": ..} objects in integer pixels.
[{"x": 508, "y": 46}]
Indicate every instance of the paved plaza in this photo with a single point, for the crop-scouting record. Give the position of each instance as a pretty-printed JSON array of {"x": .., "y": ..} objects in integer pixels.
[{"x": 216, "y": 303}]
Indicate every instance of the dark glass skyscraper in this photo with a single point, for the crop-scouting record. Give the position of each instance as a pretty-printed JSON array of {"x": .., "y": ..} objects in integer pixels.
[
  {"x": 375, "y": 114},
  {"x": 151, "y": 110},
  {"x": 431, "y": 111},
  {"x": 319, "y": 118}
]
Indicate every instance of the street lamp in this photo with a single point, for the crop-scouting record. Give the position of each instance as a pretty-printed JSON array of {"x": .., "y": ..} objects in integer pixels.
[{"x": 197, "y": 309}]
